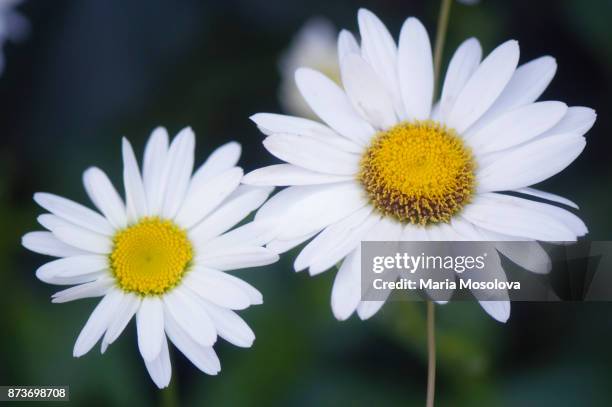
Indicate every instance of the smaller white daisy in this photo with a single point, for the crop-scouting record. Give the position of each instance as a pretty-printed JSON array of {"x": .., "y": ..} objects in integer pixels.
[
  {"x": 313, "y": 46},
  {"x": 162, "y": 255}
]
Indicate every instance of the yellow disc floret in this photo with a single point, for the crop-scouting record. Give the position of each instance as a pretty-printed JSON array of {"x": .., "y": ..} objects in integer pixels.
[
  {"x": 418, "y": 172},
  {"x": 151, "y": 256}
]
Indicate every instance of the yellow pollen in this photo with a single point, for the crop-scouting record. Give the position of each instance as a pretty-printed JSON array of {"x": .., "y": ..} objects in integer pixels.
[
  {"x": 150, "y": 257},
  {"x": 418, "y": 172}
]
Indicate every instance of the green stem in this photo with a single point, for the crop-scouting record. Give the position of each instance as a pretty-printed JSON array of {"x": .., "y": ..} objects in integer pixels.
[
  {"x": 440, "y": 38},
  {"x": 431, "y": 353},
  {"x": 431, "y": 311}
]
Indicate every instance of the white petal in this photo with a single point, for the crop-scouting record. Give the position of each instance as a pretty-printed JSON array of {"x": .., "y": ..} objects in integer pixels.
[
  {"x": 74, "y": 212},
  {"x": 531, "y": 256},
  {"x": 338, "y": 240},
  {"x": 154, "y": 164},
  {"x": 414, "y": 233},
  {"x": 575, "y": 224},
  {"x": 230, "y": 326},
  {"x": 84, "y": 239},
  {"x": 150, "y": 327},
  {"x": 578, "y": 120},
  {"x": 72, "y": 266},
  {"x": 104, "y": 195},
  {"x": 495, "y": 215},
  {"x": 125, "y": 312},
  {"x": 322, "y": 207},
  {"x": 326, "y": 259},
  {"x": 491, "y": 236},
  {"x": 346, "y": 291},
  {"x": 555, "y": 152},
  {"x": 252, "y": 293},
  {"x": 52, "y": 222},
  {"x": 136, "y": 200},
  {"x": 78, "y": 279},
  {"x": 312, "y": 154},
  {"x": 333, "y": 235},
  {"x": 526, "y": 85},
  {"x": 462, "y": 65},
  {"x": 547, "y": 196},
  {"x": 217, "y": 290},
  {"x": 204, "y": 197},
  {"x": 282, "y": 201},
  {"x": 466, "y": 229},
  {"x": 75, "y": 236},
  {"x": 47, "y": 243},
  {"x": 271, "y": 124},
  {"x": 484, "y": 86},
  {"x": 367, "y": 309},
  {"x": 281, "y": 246},
  {"x": 379, "y": 50},
  {"x": 221, "y": 160},
  {"x": 288, "y": 174},
  {"x": 516, "y": 127},
  {"x": 367, "y": 92},
  {"x": 495, "y": 302},
  {"x": 92, "y": 289},
  {"x": 499, "y": 310},
  {"x": 203, "y": 357},
  {"x": 415, "y": 66},
  {"x": 237, "y": 258},
  {"x": 255, "y": 233},
  {"x": 385, "y": 230},
  {"x": 238, "y": 206},
  {"x": 179, "y": 167},
  {"x": 97, "y": 323},
  {"x": 330, "y": 103},
  {"x": 347, "y": 44},
  {"x": 443, "y": 232},
  {"x": 160, "y": 368},
  {"x": 183, "y": 307}
]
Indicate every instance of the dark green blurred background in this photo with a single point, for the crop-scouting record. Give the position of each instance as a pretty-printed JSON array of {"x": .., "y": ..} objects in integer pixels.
[{"x": 93, "y": 71}]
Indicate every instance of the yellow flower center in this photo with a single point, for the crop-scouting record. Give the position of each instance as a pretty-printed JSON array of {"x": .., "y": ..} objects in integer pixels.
[
  {"x": 151, "y": 256},
  {"x": 418, "y": 172}
]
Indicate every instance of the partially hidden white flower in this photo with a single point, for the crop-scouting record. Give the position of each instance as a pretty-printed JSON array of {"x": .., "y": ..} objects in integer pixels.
[
  {"x": 314, "y": 46},
  {"x": 390, "y": 163},
  {"x": 13, "y": 26},
  {"x": 162, "y": 255}
]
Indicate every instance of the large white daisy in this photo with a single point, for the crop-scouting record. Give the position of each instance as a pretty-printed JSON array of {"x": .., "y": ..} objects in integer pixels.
[
  {"x": 161, "y": 255},
  {"x": 391, "y": 163}
]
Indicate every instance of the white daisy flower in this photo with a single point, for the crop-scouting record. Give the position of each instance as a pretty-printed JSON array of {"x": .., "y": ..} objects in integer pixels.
[
  {"x": 314, "y": 46},
  {"x": 13, "y": 26},
  {"x": 389, "y": 163},
  {"x": 162, "y": 255}
]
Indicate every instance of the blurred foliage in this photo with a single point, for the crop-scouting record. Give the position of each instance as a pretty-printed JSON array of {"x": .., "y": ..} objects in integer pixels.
[{"x": 93, "y": 71}]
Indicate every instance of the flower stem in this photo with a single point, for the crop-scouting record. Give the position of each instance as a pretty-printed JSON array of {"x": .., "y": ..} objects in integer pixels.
[
  {"x": 440, "y": 37},
  {"x": 431, "y": 311},
  {"x": 431, "y": 353}
]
